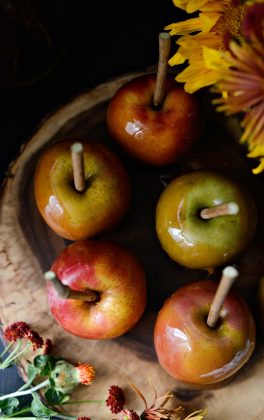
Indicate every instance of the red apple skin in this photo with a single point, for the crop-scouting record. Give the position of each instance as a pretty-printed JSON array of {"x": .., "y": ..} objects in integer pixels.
[
  {"x": 111, "y": 270},
  {"x": 74, "y": 215},
  {"x": 194, "y": 353},
  {"x": 155, "y": 137}
]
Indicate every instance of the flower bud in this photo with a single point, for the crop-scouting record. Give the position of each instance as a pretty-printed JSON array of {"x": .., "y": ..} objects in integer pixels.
[{"x": 66, "y": 377}]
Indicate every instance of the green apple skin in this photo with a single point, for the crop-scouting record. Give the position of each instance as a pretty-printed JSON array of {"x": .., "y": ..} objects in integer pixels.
[
  {"x": 114, "y": 273},
  {"x": 155, "y": 136},
  {"x": 102, "y": 205},
  {"x": 197, "y": 243},
  {"x": 194, "y": 353}
]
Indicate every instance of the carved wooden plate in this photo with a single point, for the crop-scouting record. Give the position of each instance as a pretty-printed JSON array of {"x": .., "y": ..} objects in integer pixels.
[{"x": 28, "y": 247}]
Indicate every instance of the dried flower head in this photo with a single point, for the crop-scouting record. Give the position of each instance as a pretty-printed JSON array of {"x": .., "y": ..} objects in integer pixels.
[
  {"x": 19, "y": 330},
  {"x": 47, "y": 346},
  {"x": 83, "y": 418},
  {"x": 66, "y": 376},
  {"x": 129, "y": 415},
  {"x": 35, "y": 339},
  {"x": 157, "y": 410},
  {"x": 86, "y": 373},
  {"x": 16, "y": 331},
  {"x": 116, "y": 399}
]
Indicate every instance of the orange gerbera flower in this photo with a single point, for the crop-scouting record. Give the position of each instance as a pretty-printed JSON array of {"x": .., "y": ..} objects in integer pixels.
[
  {"x": 218, "y": 22},
  {"x": 242, "y": 89}
]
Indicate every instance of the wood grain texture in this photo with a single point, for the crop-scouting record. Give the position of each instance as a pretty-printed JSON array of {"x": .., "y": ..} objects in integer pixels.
[{"x": 28, "y": 247}]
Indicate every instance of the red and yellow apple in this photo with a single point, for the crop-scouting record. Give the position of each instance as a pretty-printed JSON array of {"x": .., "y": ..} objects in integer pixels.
[
  {"x": 78, "y": 215},
  {"x": 117, "y": 277},
  {"x": 155, "y": 136},
  {"x": 191, "y": 351},
  {"x": 193, "y": 241}
]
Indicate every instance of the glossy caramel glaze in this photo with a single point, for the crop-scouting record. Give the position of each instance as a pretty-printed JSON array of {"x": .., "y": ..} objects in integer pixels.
[
  {"x": 155, "y": 136},
  {"x": 74, "y": 215},
  {"x": 114, "y": 273},
  {"x": 197, "y": 243},
  {"x": 191, "y": 351}
]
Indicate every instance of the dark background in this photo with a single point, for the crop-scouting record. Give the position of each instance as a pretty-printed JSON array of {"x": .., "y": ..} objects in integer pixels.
[{"x": 52, "y": 50}]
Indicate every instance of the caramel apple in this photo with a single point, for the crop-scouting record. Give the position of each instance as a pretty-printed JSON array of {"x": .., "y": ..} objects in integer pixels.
[
  {"x": 204, "y": 219},
  {"x": 204, "y": 334},
  {"x": 83, "y": 191},
  {"x": 152, "y": 118},
  {"x": 96, "y": 289}
]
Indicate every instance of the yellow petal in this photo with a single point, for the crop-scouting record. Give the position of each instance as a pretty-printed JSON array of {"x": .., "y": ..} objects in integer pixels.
[
  {"x": 182, "y": 4},
  {"x": 208, "y": 20},
  {"x": 191, "y": 42},
  {"x": 205, "y": 79},
  {"x": 195, "y": 5},
  {"x": 257, "y": 151},
  {"x": 176, "y": 59},
  {"x": 185, "y": 27},
  {"x": 215, "y": 59},
  {"x": 259, "y": 168},
  {"x": 196, "y": 76},
  {"x": 214, "y": 6}
]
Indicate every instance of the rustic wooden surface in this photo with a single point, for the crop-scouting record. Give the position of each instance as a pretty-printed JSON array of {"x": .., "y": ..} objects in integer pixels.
[{"x": 28, "y": 247}]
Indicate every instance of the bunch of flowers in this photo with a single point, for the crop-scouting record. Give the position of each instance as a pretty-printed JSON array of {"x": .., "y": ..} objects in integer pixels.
[
  {"x": 57, "y": 378},
  {"x": 223, "y": 47}
]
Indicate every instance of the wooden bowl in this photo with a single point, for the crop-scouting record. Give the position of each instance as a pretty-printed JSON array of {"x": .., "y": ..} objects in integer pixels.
[{"x": 28, "y": 247}]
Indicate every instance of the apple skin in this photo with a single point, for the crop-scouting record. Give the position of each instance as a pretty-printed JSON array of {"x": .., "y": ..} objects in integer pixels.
[
  {"x": 194, "y": 353},
  {"x": 74, "y": 215},
  {"x": 197, "y": 243},
  {"x": 155, "y": 137},
  {"x": 111, "y": 270}
]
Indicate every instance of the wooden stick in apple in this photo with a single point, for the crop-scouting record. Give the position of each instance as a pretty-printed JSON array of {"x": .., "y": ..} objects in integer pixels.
[
  {"x": 164, "y": 53},
  {"x": 224, "y": 209},
  {"x": 228, "y": 277},
  {"x": 66, "y": 293},
  {"x": 78, "y": 166}
]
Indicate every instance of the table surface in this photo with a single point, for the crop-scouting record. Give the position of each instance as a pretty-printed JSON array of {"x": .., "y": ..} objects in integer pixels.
[{"x": 102, "y": 43}]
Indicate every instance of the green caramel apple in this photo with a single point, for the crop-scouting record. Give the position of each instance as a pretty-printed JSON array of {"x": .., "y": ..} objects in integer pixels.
[{"x": 204, "y": 219}]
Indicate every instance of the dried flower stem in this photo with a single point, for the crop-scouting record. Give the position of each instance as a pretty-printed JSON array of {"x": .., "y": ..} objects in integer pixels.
[
  {"x": 14, "y": 355},
  {"x": 26, "y": 392}
]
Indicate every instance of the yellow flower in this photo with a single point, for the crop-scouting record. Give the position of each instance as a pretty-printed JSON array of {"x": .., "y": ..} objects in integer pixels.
[
  {"x": 217, "y": 23},
  {"x": 242, "y": 89}
]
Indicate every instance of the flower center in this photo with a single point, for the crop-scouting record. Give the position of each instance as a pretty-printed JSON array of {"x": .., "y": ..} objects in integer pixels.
[
  {"x": 233, "y": 18},
  {"x": 230, "y": 23}
]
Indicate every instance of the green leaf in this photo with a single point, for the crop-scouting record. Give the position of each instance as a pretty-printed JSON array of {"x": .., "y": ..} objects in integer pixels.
[
  {"x": 40, "y": 362},
  {"x": 9, "y": 406},
  {"x": 52, "y": 382},
  {"x": 45, "y": 364},
  {"x": 38, "y": 409},
  {"x": 32, "y": 372},
  {"x": 54, "y": 397}
]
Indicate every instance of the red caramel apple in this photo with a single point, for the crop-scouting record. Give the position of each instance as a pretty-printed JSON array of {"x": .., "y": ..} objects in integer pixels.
[
  {"x": 85, "y": 205},
  {"x": 153, "y": 119},
  {"x": 100, "y": 289},
  {"x": 204, "y": 219},
  {"x": 192, "y": 351}
]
